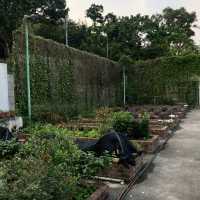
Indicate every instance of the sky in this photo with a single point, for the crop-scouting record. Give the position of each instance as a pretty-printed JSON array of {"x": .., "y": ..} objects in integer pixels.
[{"x": 132, "y": 7}]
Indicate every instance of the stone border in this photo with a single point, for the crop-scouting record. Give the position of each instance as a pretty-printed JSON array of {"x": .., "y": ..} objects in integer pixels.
[
  {"x": 159, "y": 130},
  {"x": 118, "y": 171},
  {"x": 100, "y": 194},
  {"x": 150, "y": 145}
]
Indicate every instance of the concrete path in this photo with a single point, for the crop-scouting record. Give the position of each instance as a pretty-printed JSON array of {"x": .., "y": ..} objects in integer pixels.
[{"x": 175, "y": 174}]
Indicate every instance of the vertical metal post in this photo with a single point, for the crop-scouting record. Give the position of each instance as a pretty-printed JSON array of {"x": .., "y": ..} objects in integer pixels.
[
  {"x": 66, "y": 27},
  {"x": 28, "y": 67},
  {"x": 66, "y": 30},
  {"x": 107, "y": 46},
  {"x": 124, "y": 79},
  {"x": 198, "y": 93}
]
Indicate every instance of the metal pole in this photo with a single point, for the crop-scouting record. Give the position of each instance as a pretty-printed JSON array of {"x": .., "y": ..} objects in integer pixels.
[
  {"x": 124, "y": 77},
  {"x": 28, "y": 67},
  {"x": 198, "y": 93},
  {"x": 66, "y": 28},
  {"x": 107, "y": 47}
]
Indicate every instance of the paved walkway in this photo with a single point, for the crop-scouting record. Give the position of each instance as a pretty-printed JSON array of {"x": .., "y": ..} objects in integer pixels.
[{"x": 175, "y": 174}]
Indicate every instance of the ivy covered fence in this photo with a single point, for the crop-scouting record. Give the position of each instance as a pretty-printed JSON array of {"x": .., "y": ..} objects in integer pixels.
[
  {"x": 67, "y": 82},
  {"x": 64, "y": 80},
  {"x": 165, "y": 80}
]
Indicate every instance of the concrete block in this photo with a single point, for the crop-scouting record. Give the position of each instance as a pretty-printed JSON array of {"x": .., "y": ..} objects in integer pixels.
[
  {"x": 4, "y": 102},
  {"x": 11, "y": 93}
]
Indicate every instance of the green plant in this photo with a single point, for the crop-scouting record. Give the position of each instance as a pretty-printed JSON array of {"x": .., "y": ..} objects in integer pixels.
[
  {"x": 9, "y": 148},
  {"x": 48, "y": 168},
  {"x": 137, "y": 145},
  {"x": 105, "y": 125},
  {"x": 121, "y": 121},
  {"x": 104, "y": 112},
  {"x": 49, "y": 117},
  {"x": 83, "y": 192},
  {"x": 144, "y": 125},
  {"x": 38, "y": 128},
  {"x": 34, "y": 178},
  {"x": 104, "y": 115},
  {"x": 89, "y": 134}
]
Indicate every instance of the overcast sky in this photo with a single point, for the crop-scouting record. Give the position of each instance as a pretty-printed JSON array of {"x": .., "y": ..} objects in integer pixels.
[{"x": 132, "y": 7}]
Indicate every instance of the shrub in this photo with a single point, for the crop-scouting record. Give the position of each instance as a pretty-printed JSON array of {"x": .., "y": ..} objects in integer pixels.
[
  {"x": 139, "y": 128},
  {"x": 105, "y": 126},
  {"x": 83, "y": 192},
  {"x": 50, "y": 117},
  {"x": 121, "y": 121},
  {"x": 37, "y": 128},
  {"x": 144, "y": 125},
  {"x": 8, "y": 148},
  {"x": 48, "y": 169},
  {"x": 103, "y": 112}
]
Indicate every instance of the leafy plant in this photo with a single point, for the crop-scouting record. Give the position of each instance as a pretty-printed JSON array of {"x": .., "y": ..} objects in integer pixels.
[
  {"x": 104, "y": 115},
  {"x": 89, "y": 134},
  {"x": 48, "y": 168},
  {"x": 144, "y": 125},
  {"x": 38, "y": 128},
  {"x": 105, "y": 112},
  {"x": 50, "y": 117},
  {"x": 104, "y": 127},
  {"x": 83, "y": 192},
  {"x": 8, "y": 148},
  {"x": 139, "y": 129},
  {"x": 121, "y": 121}
]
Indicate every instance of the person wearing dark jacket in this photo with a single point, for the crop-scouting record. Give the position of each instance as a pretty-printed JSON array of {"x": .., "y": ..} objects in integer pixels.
[{"x": 117, "y": 143}]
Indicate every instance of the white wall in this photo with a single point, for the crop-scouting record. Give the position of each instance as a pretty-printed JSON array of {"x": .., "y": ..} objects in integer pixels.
[
  {"x": 11, "y": 93},
  {"x": 4, "y": 101}
]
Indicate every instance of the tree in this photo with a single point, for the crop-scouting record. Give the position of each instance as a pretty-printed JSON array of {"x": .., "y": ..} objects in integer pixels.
[
  {"x": 77, "y": 33},
  {"x": 179, "y": 19},
  {"x": 12, "y": 13},
  {"x": 143, "y": 37},
  {"x": 155, "y": 40},
  {"x": 179, "y": 25},
  {"x": 110, "y": 18},
  {"x": 95, "y": 13},
  {"x": 140, "y": 37},
  {"x": 171, "y": 30}
]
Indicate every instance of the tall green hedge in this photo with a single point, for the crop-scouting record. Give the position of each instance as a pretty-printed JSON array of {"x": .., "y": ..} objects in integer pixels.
[
  {"x": 64, "y": 80},
  {"x": 67, "y": 81},
  {"x": 165, "y": 80}
]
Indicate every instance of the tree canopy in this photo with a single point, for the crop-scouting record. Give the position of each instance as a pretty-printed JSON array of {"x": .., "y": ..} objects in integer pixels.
[
  {"x": 138, "y": 37},
  {"x": 12, "y": 13},
  {"x": 95, "y": 13}
]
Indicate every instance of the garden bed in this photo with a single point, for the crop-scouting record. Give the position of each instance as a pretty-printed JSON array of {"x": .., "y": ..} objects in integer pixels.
[
  {"x": 180, "y": 114},
  {"x": 22, "y": 137},
  {"x": 170, "y": 123},
  {"x": 156, "y": 113},
  {"x": 102, "y": 193},
  {"x": 159, "y": 112},
  {"x": 173, "y": 123},
  {"x": 161, "y": 131},
  {"x": 149, "y": 145},
  {"x": 43, "y": 166},
  {"x": 80, "y": 125},
  {"x": 118, "y": 171}
]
